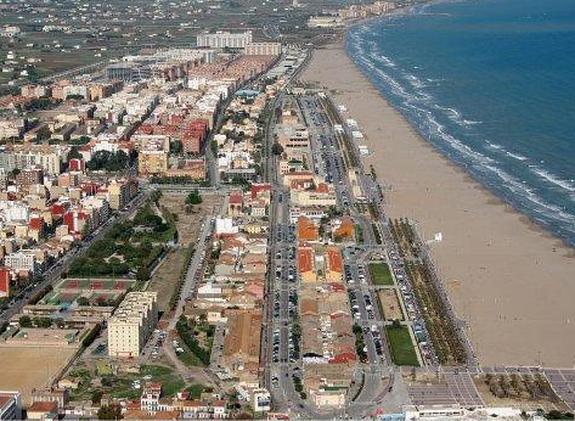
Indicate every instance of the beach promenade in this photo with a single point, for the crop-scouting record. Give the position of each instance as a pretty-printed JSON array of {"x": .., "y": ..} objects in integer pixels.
[{"x": 511, "y": 282}]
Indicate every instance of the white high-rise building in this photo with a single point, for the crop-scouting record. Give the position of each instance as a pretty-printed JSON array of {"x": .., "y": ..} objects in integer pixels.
[
  {"x": 224, "y": 40},
  {"x": 132, "y": 323}
]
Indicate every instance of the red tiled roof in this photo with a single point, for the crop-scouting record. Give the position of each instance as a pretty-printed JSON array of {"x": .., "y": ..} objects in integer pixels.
[
  {"x": 305, "y": 259},
  {"x": 335, "y": 262},
  {"x": 307, "y": 231},
  {"x": 43, "y": 406},
  {"x": 343, "y": 358}
]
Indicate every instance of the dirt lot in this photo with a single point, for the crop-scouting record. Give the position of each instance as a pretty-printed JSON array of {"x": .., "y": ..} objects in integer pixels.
[
  {"x": 26, "y": 368},
  {"x": 166, "y": 276},
  {"x": 390, "y": 304},
  {"x": 527, "y": 404},
  {"x": 188, "y": 224}
]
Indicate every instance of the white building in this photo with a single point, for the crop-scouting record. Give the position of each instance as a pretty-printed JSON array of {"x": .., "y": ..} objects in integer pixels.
[
  {"x": 21, "y": 261},
  {"x": 224, "y": 40},
  {"x": 132, "y": 323},
  {"x": 263, "y": 49},
  {"x": 225, "y": 226},
  {"x": 10, "y": 32},
  {"x": 261, "y": 400},
  {"x": 324, "y": 22}
]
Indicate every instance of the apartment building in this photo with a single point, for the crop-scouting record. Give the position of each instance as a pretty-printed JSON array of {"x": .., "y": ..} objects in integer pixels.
[
  {"x": 22, "y": 261},
  {"x": 132, "y": 324},
  {"x": 293, "y": 136},
  {"x": 322, "y": 196},
  {"x": 224, "y": 40},
  {"x": 121, "y": 192},
  {"x": 152, "y": 162},
  {"x": 46, "y": 158},
  {"x": 263, "y": 49}
]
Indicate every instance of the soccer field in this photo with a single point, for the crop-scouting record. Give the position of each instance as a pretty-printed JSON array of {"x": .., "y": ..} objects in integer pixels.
[{"x": 26, "y": 368}]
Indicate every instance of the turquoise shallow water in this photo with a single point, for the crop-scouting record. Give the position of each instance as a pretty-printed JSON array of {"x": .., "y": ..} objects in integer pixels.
[{"x": 491, "y": 84}]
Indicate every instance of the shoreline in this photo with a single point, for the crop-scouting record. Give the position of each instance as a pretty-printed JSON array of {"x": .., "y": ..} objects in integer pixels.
[{"x": 507, "y": 276}]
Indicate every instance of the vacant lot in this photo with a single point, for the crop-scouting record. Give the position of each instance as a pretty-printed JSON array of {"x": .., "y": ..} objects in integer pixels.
[
  {"x": 188, "y": 221},
  {"x": 380, "y": 273},
  {"x": 390, "y": 304},
  {"x": 121, "y": 386},
  {"x": 402, "y": 351},
  {"x": 166, "y": 277},
  {"x": 26, "y": 368}
]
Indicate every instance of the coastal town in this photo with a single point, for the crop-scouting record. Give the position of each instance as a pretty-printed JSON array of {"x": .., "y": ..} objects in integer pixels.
[{"x": 202, "y": 231}]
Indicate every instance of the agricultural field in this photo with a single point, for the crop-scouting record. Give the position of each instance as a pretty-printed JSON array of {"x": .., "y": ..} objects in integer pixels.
[
  {"x": 401, "y": 346},
  {"x": 380, "y": 273},
  {"x": 390, "y": 304},
  {"x": 26, "y": 368}
]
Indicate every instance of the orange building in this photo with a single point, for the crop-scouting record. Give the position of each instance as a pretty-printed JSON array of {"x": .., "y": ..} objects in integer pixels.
[
  {"x": 306, "y": 264},
  {"x": 345, "y": 230},
  {"x": 307, "y": 230},
  {"x": 334, "y": 265}
]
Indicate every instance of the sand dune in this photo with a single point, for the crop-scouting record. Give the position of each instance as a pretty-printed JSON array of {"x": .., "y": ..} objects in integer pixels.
[{"x": 509, "y": 280}]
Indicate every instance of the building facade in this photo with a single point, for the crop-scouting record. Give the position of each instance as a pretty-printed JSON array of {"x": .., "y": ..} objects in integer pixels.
[
  {"x": 132, "y": 324},
  {"x": 263, "y": 49},
  {"x": 225, "y": 40}
]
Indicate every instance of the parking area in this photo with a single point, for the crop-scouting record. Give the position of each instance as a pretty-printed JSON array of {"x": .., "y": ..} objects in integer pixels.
[
  {"x": 563, "y": 382},
  {"x": 444, "y": 388}
]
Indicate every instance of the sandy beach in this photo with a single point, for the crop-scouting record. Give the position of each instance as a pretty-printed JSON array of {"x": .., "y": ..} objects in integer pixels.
[{"x": 513, "y": 283}]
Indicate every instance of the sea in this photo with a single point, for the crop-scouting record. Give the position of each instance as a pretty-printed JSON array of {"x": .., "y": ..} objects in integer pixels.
[{"x": 491, "y": 85}]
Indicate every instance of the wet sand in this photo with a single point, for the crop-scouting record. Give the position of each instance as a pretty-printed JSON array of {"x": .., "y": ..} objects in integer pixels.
[{"x": 512, "y": 282}]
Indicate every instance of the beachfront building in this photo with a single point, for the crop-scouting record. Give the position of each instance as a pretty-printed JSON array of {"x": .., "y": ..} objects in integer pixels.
[{"x": 132, "y": 324}]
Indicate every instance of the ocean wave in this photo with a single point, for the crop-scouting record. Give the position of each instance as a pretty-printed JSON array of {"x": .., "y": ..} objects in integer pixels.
[
  {"x": 455, "y": 143},
  {"x": 380, "y": 58},
  {"x": 551, "y": 212},
  {"x": 505, "y": 152},
  {"x": 568, "y": 185},
  {"x": 455, "y": 116},
  {"x": 521, "y": 192},
  {"x": 493, "y": 145},
  {"x": 395, "y": 86},
  {"x": 414, "y": 81},
  {"x": 516, "y": 156}
]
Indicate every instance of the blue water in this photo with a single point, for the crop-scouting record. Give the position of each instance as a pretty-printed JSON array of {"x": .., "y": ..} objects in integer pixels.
[{"x": 491, "y": 84}]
